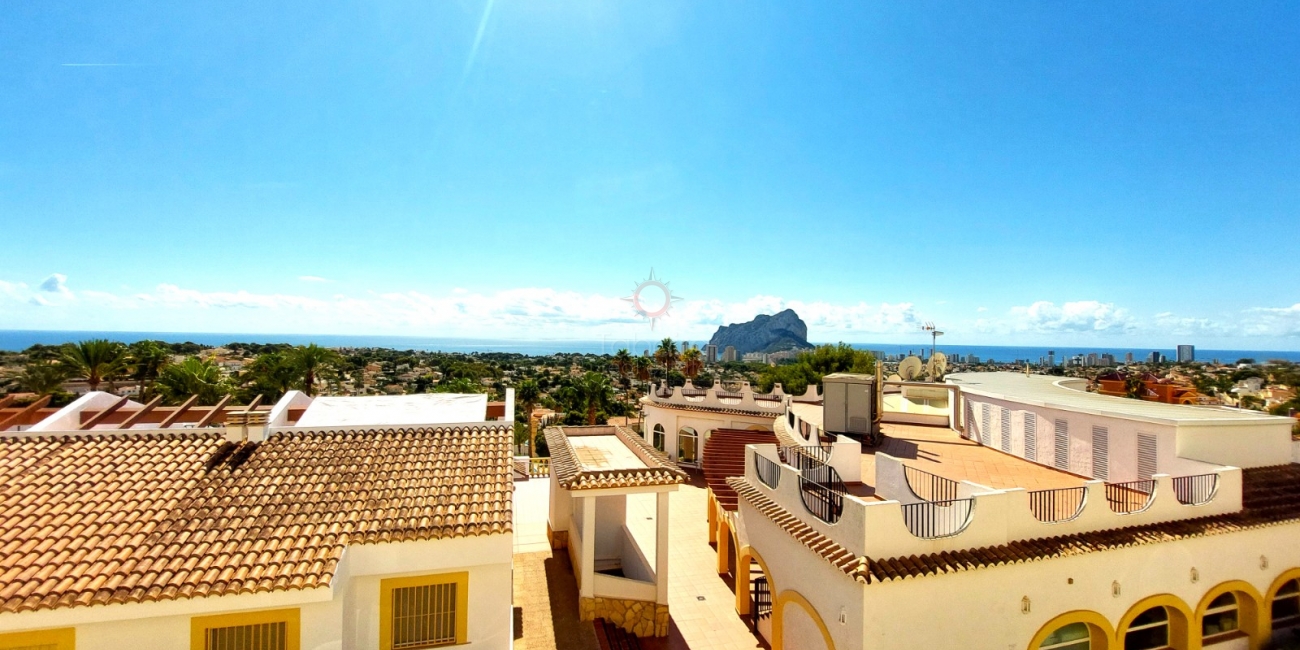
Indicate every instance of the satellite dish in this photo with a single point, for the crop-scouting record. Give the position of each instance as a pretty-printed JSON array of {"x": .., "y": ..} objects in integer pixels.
[
  {"x": 910, "y": 368},
  {"x": 937, "y": 366},
  {"x": 894, "y": 377}
]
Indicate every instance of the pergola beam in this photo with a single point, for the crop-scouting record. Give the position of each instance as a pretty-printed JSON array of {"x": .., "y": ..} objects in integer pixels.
[
  {"x": 180, "y": 410},
  {"x": 6, "y": 401},
  {"x": 22, "y": 415},
  {"x": 103, "y": 415},
  {"x": 139, "y": 415},
  {"x": 207, "y": 419},
  {"x": 253, "y": 404}
]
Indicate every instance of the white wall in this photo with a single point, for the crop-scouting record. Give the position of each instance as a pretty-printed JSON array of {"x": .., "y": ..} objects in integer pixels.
[
  {"x": 611, "y": 514},
  {"x": 704, "y": 422},
  {"x": 982, "y": 608},
  {"x": 1253, "y": 445}
]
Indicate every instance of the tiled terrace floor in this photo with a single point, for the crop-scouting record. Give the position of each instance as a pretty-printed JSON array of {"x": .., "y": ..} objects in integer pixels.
[
  {"x": 944, "y": 452},
  {"x": 546, "y": 591}
]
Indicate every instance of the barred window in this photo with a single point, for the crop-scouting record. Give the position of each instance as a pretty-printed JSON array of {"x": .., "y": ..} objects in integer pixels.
[
  {"x": 264, "y": 630},
  {"x": 424, "y": 611}
]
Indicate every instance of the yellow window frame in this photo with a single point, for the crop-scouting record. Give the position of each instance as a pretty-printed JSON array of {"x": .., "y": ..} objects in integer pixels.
[
  {"x": 387, "y": 585},
  {"x": 64, "y": 638},
  {"x": 292, "y": 619}
]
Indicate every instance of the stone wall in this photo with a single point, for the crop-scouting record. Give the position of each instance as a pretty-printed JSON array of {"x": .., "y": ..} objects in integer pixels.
[{"x": 639, "y": 617}]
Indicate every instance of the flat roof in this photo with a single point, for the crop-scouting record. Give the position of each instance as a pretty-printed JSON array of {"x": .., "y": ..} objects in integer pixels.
[
  {"x": 390, "y": 410},
  {"x": 1056, "y": 392},
  {"x": 597, "y": 453}
]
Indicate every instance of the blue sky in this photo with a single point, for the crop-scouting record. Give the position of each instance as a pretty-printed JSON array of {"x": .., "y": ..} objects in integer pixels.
[{"x": 1078, "y": 173}]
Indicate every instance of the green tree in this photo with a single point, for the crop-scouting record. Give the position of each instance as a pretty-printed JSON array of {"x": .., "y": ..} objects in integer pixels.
[
  {"x": 271, "y": 375},
  {"x": 595, "y": 392},
  {"x": 96, "y": 360},
  {"x": 809, "y": 367},
  {"x": 43, "y": 377},
  {"x": 528, "y": 395},
  {"x": 147, "y": 359},
  {"x": 641, "y": 366},
  {"x": 667, "y": 355},
  {"x": 312, "y": 361},
  {"x": 460, "y": 385},
  {"x": 692, "y": 362},
  {"x": 193, "y": 376}
]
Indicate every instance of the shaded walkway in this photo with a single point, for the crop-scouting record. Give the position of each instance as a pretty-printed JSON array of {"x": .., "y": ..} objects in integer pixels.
[{"x": 546, "y": 605}]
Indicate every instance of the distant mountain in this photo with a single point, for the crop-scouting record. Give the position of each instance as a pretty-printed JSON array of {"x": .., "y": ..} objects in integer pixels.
[{"x": 782, "y": 331}]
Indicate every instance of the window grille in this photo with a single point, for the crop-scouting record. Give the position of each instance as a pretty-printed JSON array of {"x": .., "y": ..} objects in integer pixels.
[
  {"x": 1286, "y": 605},
  {"x": 1061, "y": 445},
  {"x": 1006, "y": 430},
  {"x": 1220, "y": 618},
  {"x": 424, "y": 616},
  {"x": 1100, "y": 452},
  {"x": 1031, "y": 437},
  {"x": 1146, "y": 455},
  {"x": 986, "y": 414},
  {"x": 261, "y": 636}
]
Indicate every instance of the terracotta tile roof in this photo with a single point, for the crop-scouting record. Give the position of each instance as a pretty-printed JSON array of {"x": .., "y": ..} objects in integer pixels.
[
  {"x": 93, "y": 519},
  {"x": 774, "y": 411},
  {"x": 1270, "y": 496},
  {"x": 854, "y": 566},
  {"x": 571, "y": 475}
]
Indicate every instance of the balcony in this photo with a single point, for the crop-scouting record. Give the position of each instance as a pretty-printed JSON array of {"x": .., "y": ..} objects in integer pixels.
[{"x": 913, "y": 512}]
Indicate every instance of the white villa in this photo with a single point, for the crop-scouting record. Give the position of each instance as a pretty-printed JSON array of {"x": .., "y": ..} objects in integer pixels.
[
  {"x": 1045, "y": 518},
  {"x": 311, "y": 524}
]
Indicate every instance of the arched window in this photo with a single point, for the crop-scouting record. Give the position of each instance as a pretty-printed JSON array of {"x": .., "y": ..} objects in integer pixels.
[
  {"x": 1286, "y": 605},
  {"x": 658, "y": 437},
  {"x": 1220, "y": 618},
  {"x": 688, "y": 446},
  {"x": 1149, "y": 631},
  {"x": 1075, "y": 636}
]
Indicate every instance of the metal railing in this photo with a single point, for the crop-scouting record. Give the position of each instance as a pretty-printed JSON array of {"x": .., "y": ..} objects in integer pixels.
[
  {"x": 935, "y": 519},
  {"x": 929, "y": 487},
  {"x": 539, "y": 467},
  {"x": 1061, "y": 504},
  {"x": 760, "y": 605},
  {"x": 824, "y": 499},
  {"x": 1130, "y": 497},
  {"x": 1196, "y": 490},
  {"x": 799, "y": 456},
  {"x": 768, "y": 472}
]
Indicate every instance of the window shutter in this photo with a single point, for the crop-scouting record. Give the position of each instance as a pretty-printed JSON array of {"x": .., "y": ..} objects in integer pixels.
[
  {"x": 1006, "y": 430},
  {"x": 986, "y": 414},
  {"x": 1031, "y": 436},
  {"x": 1146, "y": 456},
  {"x": 1100, "y": 453},
  {"x": 261, "y": 636},
  {"x": 1061, "y": 445}
]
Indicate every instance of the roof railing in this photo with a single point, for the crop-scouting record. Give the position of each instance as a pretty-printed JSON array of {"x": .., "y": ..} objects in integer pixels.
[
  {"x": 929, "y": 487},
  {"x": 823, "y": 493},
  {"x": 769, "y": 473},
  {"x": 1057, "y": 505},
  {"x": 935, "y": 519},
  {"x": 801, "y": 456},
  {"x": 1196, "y": 490},
  {"x": 1128, "y": 498}
]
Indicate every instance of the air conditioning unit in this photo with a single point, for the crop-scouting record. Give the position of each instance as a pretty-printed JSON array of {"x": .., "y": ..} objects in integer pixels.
[{"x": 849, "y": 404}]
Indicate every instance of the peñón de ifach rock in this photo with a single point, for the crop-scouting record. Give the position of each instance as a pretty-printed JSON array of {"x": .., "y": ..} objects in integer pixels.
[{"x": 780, "y": 331}]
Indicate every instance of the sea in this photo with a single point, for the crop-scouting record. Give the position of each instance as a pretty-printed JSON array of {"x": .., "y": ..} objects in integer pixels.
[{"x": 18, "y": 340}]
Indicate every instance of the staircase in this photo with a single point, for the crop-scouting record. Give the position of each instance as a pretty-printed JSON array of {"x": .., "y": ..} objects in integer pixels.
[
  {"x": 613, "y": 637},
  {"x": 724, "y": 457}
]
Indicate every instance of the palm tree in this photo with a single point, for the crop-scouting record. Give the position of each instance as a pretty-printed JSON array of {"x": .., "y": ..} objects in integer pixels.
[
  {"x": 193, "y": 376},
  {"x": 641, "y": 366},
  {"x": 528, "y": 395},
  {"x": 272, "y": 374},
  {"x": 96, "y": 359},
  {"x": 595, "y": 392},
  {"x": 692, "y": 362},
  {"x": 147, "y": 359},
  {"x": 667, "y": 355},
  {"x": 43, "y": 378},
  {"x": 622, "y": 362},
  {"x": 313, "y": 360}
]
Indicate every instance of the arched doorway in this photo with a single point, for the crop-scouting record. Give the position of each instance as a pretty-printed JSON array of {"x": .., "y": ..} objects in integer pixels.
[
  {"x": 1229, "y": 610},
  {"x": 688, "y": 447},
  {"x": 1077, "y": 630},
  {"x": 657, "y": 437},
  {"x": 1156, "y": 622}
]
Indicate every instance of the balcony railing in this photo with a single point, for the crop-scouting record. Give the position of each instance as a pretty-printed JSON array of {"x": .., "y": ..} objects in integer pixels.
[
  {"x": 825, "y": 500},
  {"x": 1196, "y": 490},
  {"x": 539, "y": 467},
  {"x": 768, "y": 472},
  {"x": 1061, "y": 504},
  {"x": 935, "y": 519},
  {"x": 799, "y": 456},
  {"x": 1130, "y": 497},
  {"x": 929, "y": 487}
]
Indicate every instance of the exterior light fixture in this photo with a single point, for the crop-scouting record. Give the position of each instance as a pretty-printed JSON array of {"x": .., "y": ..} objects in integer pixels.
[
  {"x": 1263, "y": 562},
  {"x": 1025, "y": 605},
  {"x": 1114, "y": 588},
  {"x": 1196, "y": 575}
]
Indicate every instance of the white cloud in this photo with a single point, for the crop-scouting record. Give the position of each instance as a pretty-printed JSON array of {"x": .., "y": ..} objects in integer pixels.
[
  {"x": 1273, "y": 321},
  {"x": 57, "y": 283},
  {"x": 312, "y": 278},
  {"x": 1078, "y": 317}
]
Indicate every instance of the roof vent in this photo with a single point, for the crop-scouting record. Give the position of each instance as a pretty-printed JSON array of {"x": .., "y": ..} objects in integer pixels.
[{"x": 237, "y": 426}]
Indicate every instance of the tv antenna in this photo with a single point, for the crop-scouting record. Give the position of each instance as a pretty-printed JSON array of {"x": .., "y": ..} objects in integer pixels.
[{"x": 934, "y": 334}]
